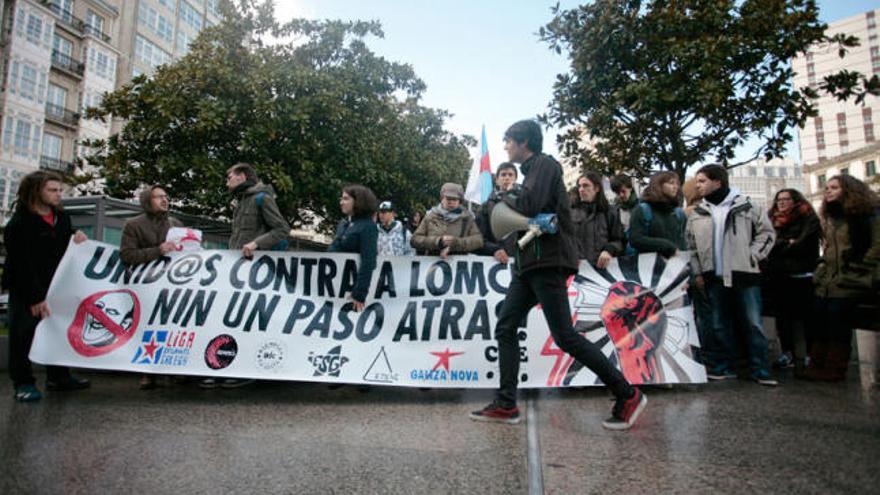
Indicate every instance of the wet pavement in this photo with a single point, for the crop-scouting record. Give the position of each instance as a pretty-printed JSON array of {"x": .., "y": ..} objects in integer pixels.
[{"x": 273, "y": 437}]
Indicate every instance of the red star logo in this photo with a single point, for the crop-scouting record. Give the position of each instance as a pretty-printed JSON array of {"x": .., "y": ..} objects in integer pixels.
[
  {"x": 444, "y": 358},
  {"x": 150, "y": 349}
]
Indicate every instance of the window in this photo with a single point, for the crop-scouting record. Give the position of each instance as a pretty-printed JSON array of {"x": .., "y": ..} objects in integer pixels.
[
  {"x": 94, "y": 23},
  {"x": 822, "y": 180},
  {"x": 62, "y": 46},
  {"x": 57, "y": 96},
  {"x": 770, "y": 171},
  {"x": 156, "y": 22},
  {"x": 148, "y": 53},
  {"x": 102, "y": 64},
  {"x": 753, "y": 172},
  {"x": 22, "y": 135},
  {"x": 844, "y": 171},
  {"x": 52, "y": 145},
  {"x": 214, "y": 7},
  {"x": 190, "y": 16},
  {"x": 870, "y": 168},
  {"x": 28, "y": 86},
  {"x": 34, "y": 29},
  {"x": 783, "y": 172},
  {"x": 25, "y": 144},
  {"x": 183, "y": 41},
  {"x": 64, "y": 8},
  {"x": 169, "y": 4}
]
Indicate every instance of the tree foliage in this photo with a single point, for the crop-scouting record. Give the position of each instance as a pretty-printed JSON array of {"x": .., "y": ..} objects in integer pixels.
[
  {"x": 312, "y": 114},
  {"x": 665, "y": 84}
]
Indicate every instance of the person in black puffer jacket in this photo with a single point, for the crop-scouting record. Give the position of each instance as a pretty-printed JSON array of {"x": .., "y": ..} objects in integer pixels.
[
  {"x": 789, "y": 270},
  {"x": 657, "y": 224},
  {"x": 357, "y": 234}
]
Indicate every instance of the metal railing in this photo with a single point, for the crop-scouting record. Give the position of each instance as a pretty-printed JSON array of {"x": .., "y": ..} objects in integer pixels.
[
  {"x": 66, "y": 17},
  {"x": 61, "y": 115},
  {"x": 56, "y": 164},
  {"x": 94, "y": 31},
  {"x": 67, "y": 63}
]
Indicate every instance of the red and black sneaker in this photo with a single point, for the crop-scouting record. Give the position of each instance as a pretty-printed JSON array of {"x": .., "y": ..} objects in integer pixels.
[
  {"x": 494, "y": 412},
  {"x": 626, "y": 411}
]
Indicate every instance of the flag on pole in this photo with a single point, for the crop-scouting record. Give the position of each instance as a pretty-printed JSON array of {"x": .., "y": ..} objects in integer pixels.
[{"x": 480, "y": 178}]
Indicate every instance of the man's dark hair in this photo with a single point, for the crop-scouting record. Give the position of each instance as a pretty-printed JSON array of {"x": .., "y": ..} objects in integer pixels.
[
  {"x": 30, "y": 187},
  {"x": 619, "y": 181},
  {"x": 505, "y": 166},
  {"x": 244, "y": 168},
  {"x": 715, "y": 172},
  {"x": 601, "y": 201},
  {"x": 526, "y": 131},
  {"x": 365, "y": 202}
]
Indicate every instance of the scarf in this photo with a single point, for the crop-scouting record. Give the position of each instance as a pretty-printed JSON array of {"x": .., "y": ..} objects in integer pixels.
[
  {"x": 780, "y": 219},
  {"x": 448, "y": 216}
]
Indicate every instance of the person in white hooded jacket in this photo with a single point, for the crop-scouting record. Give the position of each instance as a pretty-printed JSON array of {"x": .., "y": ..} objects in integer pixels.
[
  {"x": 729, "y": 236},
  {"x": 394, "y": 238}
]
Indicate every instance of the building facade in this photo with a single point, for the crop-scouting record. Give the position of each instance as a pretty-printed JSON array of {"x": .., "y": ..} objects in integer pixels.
[
  {"x": 60, "y": 57},
  {"x": 840, "y": 128},
  {"x": 760, "y": 179},
  {"x": 861, "y": 164}
]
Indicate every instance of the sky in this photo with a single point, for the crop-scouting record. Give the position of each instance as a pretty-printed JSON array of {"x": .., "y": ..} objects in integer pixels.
[{"x": 481, "y": 60}]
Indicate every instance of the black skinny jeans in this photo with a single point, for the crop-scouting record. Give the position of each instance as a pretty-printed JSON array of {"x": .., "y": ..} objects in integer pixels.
[
  {"x": 22, "y": 325},
  {"x": 547, "y": 287}
]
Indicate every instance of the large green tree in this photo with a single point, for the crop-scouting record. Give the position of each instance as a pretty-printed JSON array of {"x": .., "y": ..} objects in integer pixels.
[
  {"x": 312, "y": 114},
  {"x": 665, "y": 84}
]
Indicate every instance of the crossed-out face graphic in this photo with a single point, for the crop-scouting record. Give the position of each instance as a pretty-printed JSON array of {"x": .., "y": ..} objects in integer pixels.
[
  {"x": 103, "y": 322},
  {"x": 636, "y": 322}
]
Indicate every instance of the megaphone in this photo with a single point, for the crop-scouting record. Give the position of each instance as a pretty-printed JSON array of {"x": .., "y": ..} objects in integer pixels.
[{"x": 505, "y": 220}]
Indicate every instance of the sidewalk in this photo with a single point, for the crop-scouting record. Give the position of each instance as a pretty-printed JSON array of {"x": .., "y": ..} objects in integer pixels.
[{"x": 296, "y": 438}]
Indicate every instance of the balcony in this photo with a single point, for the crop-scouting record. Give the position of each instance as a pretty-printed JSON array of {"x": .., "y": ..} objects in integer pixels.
[
  {"x": 61, "y": 115},
  {"x": 67, "y": 63},
  {"x": 55, "y": 164},
  {"x": 90, "y": 30},
  {"x": 74, "y": 23}
]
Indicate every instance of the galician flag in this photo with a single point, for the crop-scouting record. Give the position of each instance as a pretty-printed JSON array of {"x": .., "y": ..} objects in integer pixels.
[{"x": 480, "y": 179}]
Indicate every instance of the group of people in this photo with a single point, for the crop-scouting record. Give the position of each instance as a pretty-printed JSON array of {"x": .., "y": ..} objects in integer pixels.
[{"x": 735, "y": 246}]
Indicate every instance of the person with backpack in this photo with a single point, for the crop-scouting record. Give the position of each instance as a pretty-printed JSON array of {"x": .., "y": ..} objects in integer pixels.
[
  {"x": 448, "y": 228},
  {"x": 393, "y": 237},
  {"x": 597, "y": 228},
  {"x": 848, "y": 273},
  {"x": 657, "y": 223},
  {"x": 257, "y": 224},
  {"x": 356, "y": 233}
]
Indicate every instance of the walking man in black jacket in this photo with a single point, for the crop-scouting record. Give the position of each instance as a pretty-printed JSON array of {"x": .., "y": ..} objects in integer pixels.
[
  {"x": 36, "y": 238},
  {"x": 542, "y": 268}
]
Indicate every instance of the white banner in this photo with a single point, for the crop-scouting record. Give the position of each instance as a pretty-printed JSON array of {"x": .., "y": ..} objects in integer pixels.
[{"x": 286, "y": 316}]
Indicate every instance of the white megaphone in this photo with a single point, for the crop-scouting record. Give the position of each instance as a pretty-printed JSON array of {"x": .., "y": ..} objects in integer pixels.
[{"x": 505, "y": 220}]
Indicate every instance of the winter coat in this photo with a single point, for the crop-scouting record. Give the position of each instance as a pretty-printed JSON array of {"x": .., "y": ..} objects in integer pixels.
[
  {"x": 625, "y": 209},
  {"x": 796, "y": 249},
  {"x": 395, "y": 241},
  {"x": 142, "y": 235},
  {"x": 838, "y": 255},
  {"x": 484, "y": 222},
  {"x": 746, "y": 238},
  {"x": 33, "y": 251},
  {"x": 262, "y": 224},
  {"x": 664, "y": 233},
  {"x": 596, "y": 231},
  {"x": 543, "y": 191},
  {"x": 464, "y": 229},
  {"x": 358, "y": 235}
]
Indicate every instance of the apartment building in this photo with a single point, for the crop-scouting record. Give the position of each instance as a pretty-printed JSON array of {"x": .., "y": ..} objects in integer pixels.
[
  {"x": 761, "y": 179},
  {"x": 59, "y": 57},
  {"x": 841, "y": 128}
]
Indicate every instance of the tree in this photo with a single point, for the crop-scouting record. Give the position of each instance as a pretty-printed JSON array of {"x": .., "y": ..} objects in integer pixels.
[
  {"x": 312, "y": 116},
  {"x": 665, "y": 84}
]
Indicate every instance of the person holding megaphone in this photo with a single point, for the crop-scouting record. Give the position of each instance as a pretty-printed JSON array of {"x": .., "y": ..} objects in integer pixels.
[{"x": 543, "y": 264}]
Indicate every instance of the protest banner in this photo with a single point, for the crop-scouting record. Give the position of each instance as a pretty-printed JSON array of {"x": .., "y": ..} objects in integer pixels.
[{"x": 287, "y": 316}]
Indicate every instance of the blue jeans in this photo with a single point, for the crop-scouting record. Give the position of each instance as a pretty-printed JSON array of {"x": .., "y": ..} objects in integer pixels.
[{"x": 731, "y": 305}]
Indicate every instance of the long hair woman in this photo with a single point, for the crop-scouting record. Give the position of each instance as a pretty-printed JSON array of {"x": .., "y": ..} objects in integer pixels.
[
  {"x": 357, "y": 233},
  {"x": 851, "y": 241},
  {"x": 657, "y": 223},
  {"x": 789, "y": 271}
]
